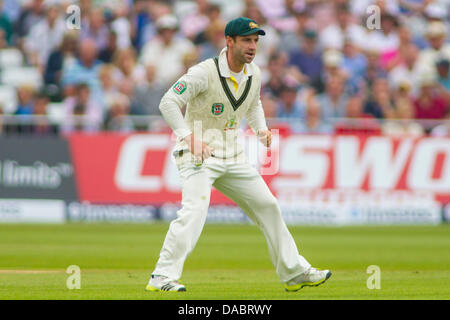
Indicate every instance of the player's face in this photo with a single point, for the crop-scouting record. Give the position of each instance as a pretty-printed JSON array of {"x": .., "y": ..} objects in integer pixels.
[{"x": 243, "y": 48}]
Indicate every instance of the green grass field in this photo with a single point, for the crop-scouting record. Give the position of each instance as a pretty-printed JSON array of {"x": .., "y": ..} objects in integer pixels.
[{"x": 229, "y": 262}]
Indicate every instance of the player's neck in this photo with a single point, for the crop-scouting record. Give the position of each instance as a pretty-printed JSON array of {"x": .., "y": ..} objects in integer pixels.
[{"x": 234, "y": 65}]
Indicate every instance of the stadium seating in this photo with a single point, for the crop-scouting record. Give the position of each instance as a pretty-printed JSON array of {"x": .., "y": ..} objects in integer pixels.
[
  {"x": 17, "y": 76},
  {"x": 8, "y": 99},
  {"x": 10, "y": 58}
]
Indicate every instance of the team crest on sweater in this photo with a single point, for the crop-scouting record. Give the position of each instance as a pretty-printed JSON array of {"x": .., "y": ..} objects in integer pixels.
[
  {"x": 217, "y": 109},
  {"x": 179, "y": 87}
]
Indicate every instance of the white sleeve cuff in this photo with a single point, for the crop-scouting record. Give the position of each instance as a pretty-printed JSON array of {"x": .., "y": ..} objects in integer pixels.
[{"x": 182, "y": 133}]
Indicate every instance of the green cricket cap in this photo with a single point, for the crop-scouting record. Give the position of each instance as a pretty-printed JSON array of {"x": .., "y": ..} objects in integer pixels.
[{"x": 243, "y": 27}]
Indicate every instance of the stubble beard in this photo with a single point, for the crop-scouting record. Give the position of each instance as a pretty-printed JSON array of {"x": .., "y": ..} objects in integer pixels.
[{"x": 242, "y": 57}]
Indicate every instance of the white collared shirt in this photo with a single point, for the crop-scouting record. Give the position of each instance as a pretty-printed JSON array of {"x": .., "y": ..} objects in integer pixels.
[{"x": 225, "y": 71}]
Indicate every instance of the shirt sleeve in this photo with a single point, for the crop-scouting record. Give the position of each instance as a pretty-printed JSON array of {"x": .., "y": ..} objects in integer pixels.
[
  {"x": 255, "y": 114},
  {"x": 194, "y": 82}
]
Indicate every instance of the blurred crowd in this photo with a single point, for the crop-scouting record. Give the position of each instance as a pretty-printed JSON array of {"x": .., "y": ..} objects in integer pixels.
[{"x": 328, "y": 66}]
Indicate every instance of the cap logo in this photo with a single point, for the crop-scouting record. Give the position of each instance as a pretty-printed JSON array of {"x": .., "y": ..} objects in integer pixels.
[{"x": 253, "y": 25}]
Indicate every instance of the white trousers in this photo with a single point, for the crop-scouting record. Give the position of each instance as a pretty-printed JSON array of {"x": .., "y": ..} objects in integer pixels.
[{"x": 240, "y": 182}]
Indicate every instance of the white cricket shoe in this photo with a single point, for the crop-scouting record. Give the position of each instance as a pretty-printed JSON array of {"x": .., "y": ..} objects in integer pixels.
[
  {"x": 312, "y": 277},
  {"x": 163, "y": 283}
]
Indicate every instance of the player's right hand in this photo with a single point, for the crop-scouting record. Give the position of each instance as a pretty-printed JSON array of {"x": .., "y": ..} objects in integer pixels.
[
  {"x": 265, "y": 137},
  {"x": 199, "y": 149}
]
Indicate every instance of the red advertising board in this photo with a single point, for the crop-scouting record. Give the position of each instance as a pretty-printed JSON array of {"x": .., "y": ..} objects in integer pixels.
[{"x": 139, "y": 168}]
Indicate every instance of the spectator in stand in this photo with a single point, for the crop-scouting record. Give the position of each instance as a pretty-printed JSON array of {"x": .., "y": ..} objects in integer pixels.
[
  {"x": 85, "y": 69},
  {"x": 354, "y": 63},
  {"x": 3, "y": 42},
  {"x": 189, "y": 60},
  {"x": 126, "y": 63},
  {"x": 276, "y": 10},
  {"x": 386, "y": 39},
  {"x": 340, "y": 47},
  {"x": 332, "y": 62},
  {"x": 5, "y": 25},
  {"x": 95, "y": 28},
  {"x": 407, "y": 71},
  {"x": 374, "y": 70},
  {"x": 128, "y": 88},
  {"x": 292, "y": 41},
  {"x": 416, "y": 19},
  {"x": 106, "y": 55},
  {"x": 29, "y": 16},
  {"x": 309, "y": 59},
  {"x": 313, "y": 122},
  {"x": 148, "y": 94},
  {"x": 289, "y": 106},
  {"x": 271, "y": 39},
  {"x": 443, "y": 78},
  {"x": 333, "y": 36},
  {"x": 42, "y": 125},
  {"x": 334, "y": 100},
  {"x": 117, "y": 117},
  {"x": 25, "y": 100},
  {"x": 379, "y": 102},
  {"x": 443, "y": 71},
  {"x": 12, "y": 9},
  {"x": 155, "y": 10},
  {"x": 166, "y": 51},
  {"x": 215, "y": 41},
  {"x": 276, "y": 68},
  {"x": 61, "y": 58},
  {"x": 391, "y": 59},
  {"x": 269, "y": 104},
  {"x": 82, "y": 112},
  {"x": 108, "y": 75},
  {"x": 430, "y": 104},
  {"x": 45, "y": 36},
  {"x": 213, "y": 13},
  {"x": 121, "y": 26},
  {"x": 436, "y": 10},
  {"x": 140, "y": 21},
  {"x": 196, "y": 22},
  {"x": 85, "y": 8},
  {"x": 39, "y": 125},
  {"x": 355, "y": 108},
  {"x": 402, "y": 124},
  {"x": 357, "y": 120},
  {"x": 402, "y": 97},
  {"x": 436, "y": 34}
]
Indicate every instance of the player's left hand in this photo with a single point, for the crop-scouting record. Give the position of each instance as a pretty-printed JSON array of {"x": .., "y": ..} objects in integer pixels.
[{"x": 265, "y": 137}]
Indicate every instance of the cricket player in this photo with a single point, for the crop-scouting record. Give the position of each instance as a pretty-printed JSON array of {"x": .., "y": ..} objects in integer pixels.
[{"x": 218, "y": 94}]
